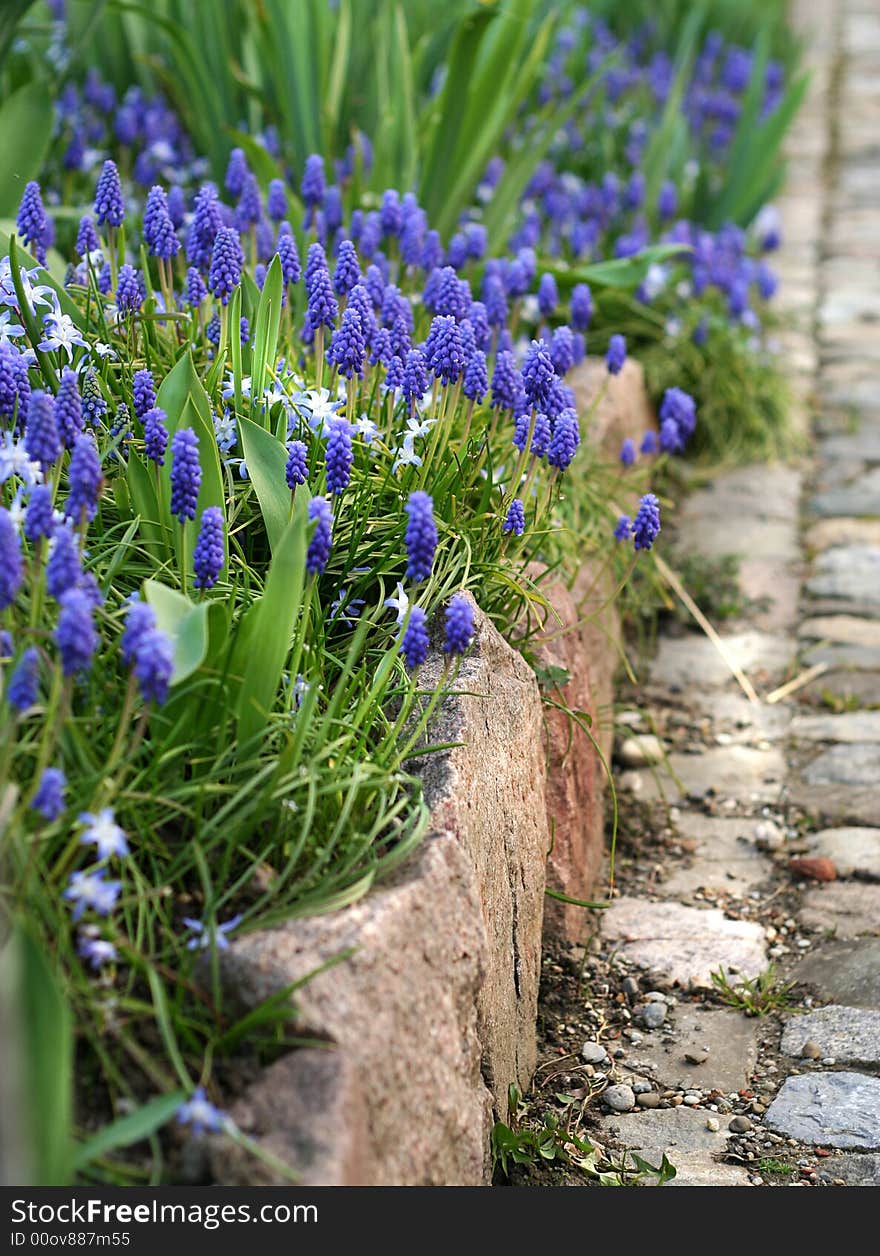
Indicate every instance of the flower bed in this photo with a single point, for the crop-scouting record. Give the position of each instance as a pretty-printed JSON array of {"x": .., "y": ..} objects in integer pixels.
[{"x": 257, "y": 446}]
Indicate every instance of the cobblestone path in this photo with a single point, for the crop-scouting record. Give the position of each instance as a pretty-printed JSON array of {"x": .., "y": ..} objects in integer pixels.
[{"x": 775, "y": 804}]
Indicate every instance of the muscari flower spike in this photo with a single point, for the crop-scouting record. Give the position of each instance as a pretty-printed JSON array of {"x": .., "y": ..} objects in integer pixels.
[
  {"x": 515, "y": 520},
  {"x": 85, "y": 478},
  {"x": 75, "y": 635},
  {"x": 155, "y": 435},
  {"x": 64, "y": 568},
  {"x": 49, "y": 798},
  {"x": 297, "y": 469},
  {"x": 11, "y": 563},
  {"x": 209, "y": 554},
  {"x": 143, "y": 392},
  {"x": 616, "y": 355},
  {"x": 538, "y": 375},
  {"x": 41, "y": 437},
  {"x": 159, "y": 234},
  {"x": 39, "y": 518},
  {"x": 24, "y": 682},
  {"x": 421, "y": 536},
  {"x": 415, "y": 642},
  {"x": 128, "y": 290},
  {"x": 318, "y": 552},
  {"x": 227, "y": 260},
  {"x": 459, "y": 625},
  {"x": 109, "y": 205},
  {"x": 32, "y": 223},
  {"x": 646, "y": 525},
  {"x": 186, "y": 474},
  {"x": 339, "y": 456}
]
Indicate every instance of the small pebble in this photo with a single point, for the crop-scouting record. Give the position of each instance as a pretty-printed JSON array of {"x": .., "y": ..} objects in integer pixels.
[
  {"x": 648, "y": 1100},
  {"x": 641, "y": 1087},
  {"x": 641, "y": 750},
  {"x": 768, "y": 836},
  {"x": 593, "y": 1053},
  {"x": 652, "y": 1015},
  {"x": 619, "y": 1098},
  {"x": 630, "y": 988},
  {"x": 739, "y": 1125},
  {"x": 699, "y": 1056},
  {"x": 692, "y": 1101},
  {"x": 713, "y": 1124}
]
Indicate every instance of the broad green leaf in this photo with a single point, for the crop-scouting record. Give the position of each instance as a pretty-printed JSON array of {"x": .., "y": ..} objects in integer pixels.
[
  {"x": 130, "y": 1129},
  {"x": 268, "y": 640},
  {"x": 266, "y": 460},
  {"x": 26, "y": 119},
  {"x": 11, "y": 13},
  {"x": 185, "y": 622},
  {"x": 142, "y": 487},
  {"x": 33, "y": 1003},
  {"x": 268, "y": 322},
  {"x": 620, "y": 272}
]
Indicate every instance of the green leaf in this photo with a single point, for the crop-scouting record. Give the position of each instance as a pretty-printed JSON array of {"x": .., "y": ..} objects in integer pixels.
[
  {"x": 235, "y": 345},
  {"x": 185, "y": 622},
  {"x": 35, "y": 1009},
  {"x": 266, "y": 460},
  {"x": 142, "y": 487},
  {"x": 266, "y": 329},
  {"x": 130, "y": 1129},
  {"x": 269, "y": 632},
  {"x": 26, "y": 119},
  {"x": 619, "y": 272},
  {"x": 11, "y": 13}
]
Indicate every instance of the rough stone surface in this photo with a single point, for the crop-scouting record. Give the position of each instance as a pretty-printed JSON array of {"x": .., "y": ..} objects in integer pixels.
[
  {"x": 694, "y": 1168},
  {"x": 853, "y": 851},
  {"x": 858, "y": 498},
  {"x": 854, "y": 1169},
  {"x": 683, "y": 944},
  {"x": 846, "y": 629},
  {"x": 845, "y": 908},
  {"x": 724, "y": 857},
  {"x": 848, "y": 688},
  {"x": 623, "y": 409},
  {"x": 308, "y": 1110},
  {"x": 855, "y": 764},
  {"x": 850, "y": 571},
  {"x": 830, "y": 532},
  {"x": 668, "y": 1130},
  {"x": 727, "y": 771},
  {"x": 849, "y": 1035},
  {"x": 448, "y": 947},
  {"x": 729, "y": 1037},
  {"x": 576, "y": 779},
  {"x": 851, "y": 727},
  {"x": 489, "y": 792},
  {"x": 829, "y": 1110},
  {"x": 694, "y": 661},
  {"x": 419, "y": 955},
  {"x": 838, "y": 804},
  {"x": 846, "y": 971}
]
